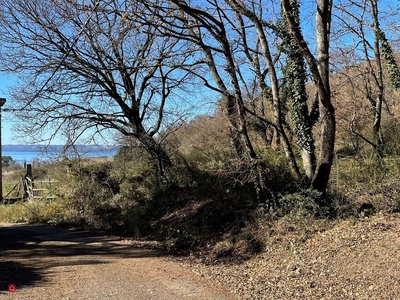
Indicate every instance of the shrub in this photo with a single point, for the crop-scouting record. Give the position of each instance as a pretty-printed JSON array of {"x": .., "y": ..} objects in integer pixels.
[
  {"x": 301, "y": 204},
  {"x": 223, "y": 249}
]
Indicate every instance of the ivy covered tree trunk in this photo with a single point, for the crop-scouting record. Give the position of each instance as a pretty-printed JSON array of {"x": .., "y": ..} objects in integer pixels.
[
  {"x": 295, "y": 74},
  {"x": 319, "y": 67},
  {"x": 387, "y": 52},
  {"x": 382, "y": 47}
]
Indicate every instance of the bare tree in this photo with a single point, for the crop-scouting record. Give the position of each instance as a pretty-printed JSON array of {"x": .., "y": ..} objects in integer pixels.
[
  {"x": 94, "y": 63},
  {"x": 221, "y": 30},
  {"x": 296, "y": 52},
  {"x": 209, "y": 32},
  {"x": 115, "y": 65},
  {"x": 365, "y": 76},
  {"x": 254, "y": 13}
]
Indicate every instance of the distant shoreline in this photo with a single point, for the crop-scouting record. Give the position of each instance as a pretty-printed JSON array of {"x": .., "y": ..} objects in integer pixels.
[{"x": 29, "y": 153}]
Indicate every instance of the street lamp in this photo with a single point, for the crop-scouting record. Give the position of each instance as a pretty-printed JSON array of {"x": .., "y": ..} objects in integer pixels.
[{"x": 2, "y": 102}]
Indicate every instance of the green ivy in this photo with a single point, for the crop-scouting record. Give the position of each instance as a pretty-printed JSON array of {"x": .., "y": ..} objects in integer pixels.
[
  {"x": 295, "y": 74},
  {"x": 387, "y": 53}
]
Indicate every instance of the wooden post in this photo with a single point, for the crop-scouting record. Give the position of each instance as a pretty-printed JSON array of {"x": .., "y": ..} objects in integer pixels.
[
  {"x": 29, "y": 170},
  {"x": 28, "y": 183}
]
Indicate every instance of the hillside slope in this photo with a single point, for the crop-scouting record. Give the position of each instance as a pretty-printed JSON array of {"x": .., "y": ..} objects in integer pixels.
[{"x": 355, "y": 259}]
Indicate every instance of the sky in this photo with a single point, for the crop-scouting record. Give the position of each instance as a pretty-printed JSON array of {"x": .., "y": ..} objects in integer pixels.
[{"x": 7, "y": 135}]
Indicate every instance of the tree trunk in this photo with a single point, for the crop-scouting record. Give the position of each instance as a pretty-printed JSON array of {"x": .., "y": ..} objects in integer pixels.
[
  {"x": 325, "y": 160},
  {"x": 319, "y": 68},
  {"x": 279, "y": 135},
  {"x": 327, "y": 111},
  {"x": 160, "y": 157},
  {"x": 378, "y": 138}
]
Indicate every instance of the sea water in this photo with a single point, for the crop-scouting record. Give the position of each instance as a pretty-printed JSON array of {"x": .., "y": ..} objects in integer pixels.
[{"x": 29, "y": 153}]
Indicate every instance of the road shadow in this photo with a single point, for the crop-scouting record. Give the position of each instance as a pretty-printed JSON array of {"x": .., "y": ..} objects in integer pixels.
[
  {"x": 19, "y": 274},
  {"x": 28, "y": 252}
]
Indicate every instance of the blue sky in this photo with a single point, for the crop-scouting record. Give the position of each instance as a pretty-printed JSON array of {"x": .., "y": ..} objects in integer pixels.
[
  {"x": 11, "y": 137},
  {"x": 8, "y": 136}
]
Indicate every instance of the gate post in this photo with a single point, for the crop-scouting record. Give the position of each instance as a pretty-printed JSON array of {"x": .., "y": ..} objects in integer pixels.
[{"x": 28, "y": 183}]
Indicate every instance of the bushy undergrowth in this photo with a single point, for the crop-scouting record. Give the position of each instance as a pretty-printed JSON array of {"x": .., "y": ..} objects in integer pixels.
[
  {"x": 208, "y": 211},
  {"x": 48, "y": 212}
]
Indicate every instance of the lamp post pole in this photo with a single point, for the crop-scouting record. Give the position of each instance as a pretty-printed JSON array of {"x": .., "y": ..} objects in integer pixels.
[{"x": 2, "y": 102}]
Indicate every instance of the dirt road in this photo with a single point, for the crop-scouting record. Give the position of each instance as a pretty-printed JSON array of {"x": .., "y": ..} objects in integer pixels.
[{"x": 53, "y": 263}]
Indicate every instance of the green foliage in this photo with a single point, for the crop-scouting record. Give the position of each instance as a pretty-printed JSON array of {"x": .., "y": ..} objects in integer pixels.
[
  {"x": 14, "y": 213},
  {"x": 120, "y": 196},
  {"x": 301, "y": 204},
  {"x": 359, "y": 173},
  {"x": 197, "y": 209},
  {"x": 10, "y": 165},
  {"x": 210, "y": 159},
  {"x": 356, "y": 181},
  {"x": 45, "y": 212},
  {"x": 295, "y": 75},
  {"x": 109, "y": 196},
  {"x": 227, "y": 171},
  {"x": 6, "y": 161},
  {"x": 279, "y": 177},
  {"x": 391, "y": 64}
]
